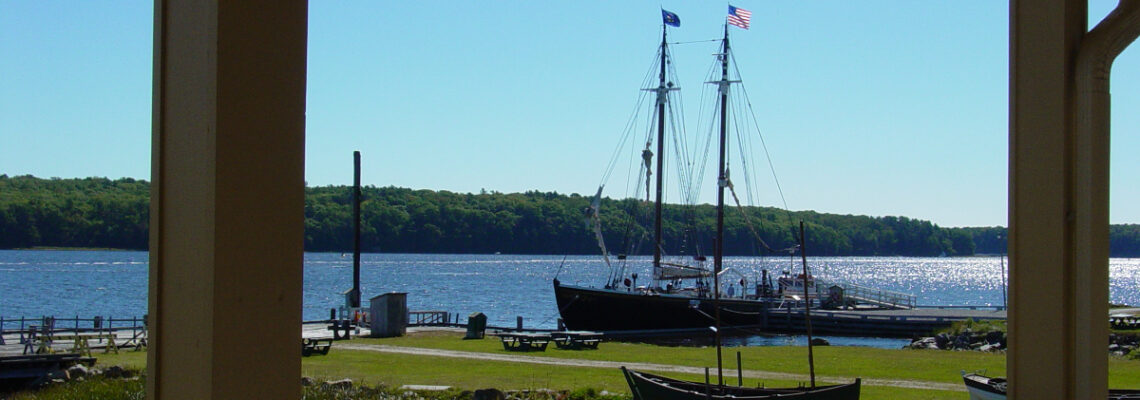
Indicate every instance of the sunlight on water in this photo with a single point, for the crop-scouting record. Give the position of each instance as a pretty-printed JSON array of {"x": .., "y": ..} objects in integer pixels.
[{"x": 113, "y": 283}]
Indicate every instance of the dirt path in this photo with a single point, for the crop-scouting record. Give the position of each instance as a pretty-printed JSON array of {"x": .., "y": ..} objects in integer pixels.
[{"x": 902, "y": 383}]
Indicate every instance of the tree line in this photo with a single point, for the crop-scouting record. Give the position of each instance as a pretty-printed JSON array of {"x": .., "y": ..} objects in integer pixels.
[{"x": 104, "y": 213}]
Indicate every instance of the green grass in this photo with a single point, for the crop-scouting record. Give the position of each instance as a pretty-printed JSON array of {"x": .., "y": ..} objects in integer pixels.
[
  {"x": 389, "y": 370},
  {"x": 385, "y": 369},
  {"x": 836, "y": 361},
  {"x": 94, "y": 388}
]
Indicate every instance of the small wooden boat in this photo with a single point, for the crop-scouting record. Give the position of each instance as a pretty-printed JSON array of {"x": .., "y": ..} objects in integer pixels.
[
  {"x": 654, "y": 387},
  {"x": 982, "y": 387}
]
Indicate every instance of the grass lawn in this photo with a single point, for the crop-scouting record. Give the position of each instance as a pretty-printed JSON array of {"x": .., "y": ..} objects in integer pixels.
[
  {"x": 376, "y": 368},
  {"x": 834, "y": 361}
]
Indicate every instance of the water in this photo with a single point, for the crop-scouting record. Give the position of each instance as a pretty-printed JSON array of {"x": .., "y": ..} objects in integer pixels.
[{"x": 114, "y": 283}]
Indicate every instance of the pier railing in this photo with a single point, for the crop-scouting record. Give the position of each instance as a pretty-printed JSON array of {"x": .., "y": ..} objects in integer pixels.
[
  {"x": 428, "y": 318},
  {"x": 25, "y": 328},
  {"x": 868, "y": 295}
]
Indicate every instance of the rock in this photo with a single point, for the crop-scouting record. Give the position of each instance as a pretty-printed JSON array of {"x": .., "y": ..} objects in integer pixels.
[
  {"x": 942, "y": 340},
  {"x": 343, "y": 384},
  {"x": 113, "y": 372},
  {"x": 57, "y": 381},
  {"x": 307, "y": 381},
  {"x": 1113, "y": 347},
  {"x": 995, "y": 337},
  {"x": 961, "y": 343},
  {"x": 489, "y": 394},
  {"x": 77, "y": 371},
  {"x": 987, "y": 347},
  {"x": 60, "y": 375},
  {"x": 820, "y": 342}
]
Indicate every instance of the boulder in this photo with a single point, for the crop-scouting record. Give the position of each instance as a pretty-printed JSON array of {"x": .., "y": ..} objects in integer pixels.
[
  {"x": 922, "y": 344},
  {"x": 489, "y": 394},
  {"x": 59, "y": 374},
  {"x": 77, "y": 371},
  {"x": 995, "y": 337},
  {"x": 942, "y": 340},
  {"x": 343, "y": 384},
  {"x": 307, "y": 381},
  {"x": 820, "y": 342},
  {"x": 114, "y": 371}
]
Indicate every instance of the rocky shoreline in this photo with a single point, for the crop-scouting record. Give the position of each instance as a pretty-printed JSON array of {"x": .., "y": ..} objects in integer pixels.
[{"x": 1119, "y": 344}]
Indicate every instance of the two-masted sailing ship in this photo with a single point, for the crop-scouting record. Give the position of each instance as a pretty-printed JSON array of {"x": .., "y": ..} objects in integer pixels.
[
  {"x": 684, "y": 290},
  {"x": 655, "y": 307}
]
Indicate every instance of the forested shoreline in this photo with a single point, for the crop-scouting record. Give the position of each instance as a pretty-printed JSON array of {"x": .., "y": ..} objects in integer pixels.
[{"x": 105, "y": 213}]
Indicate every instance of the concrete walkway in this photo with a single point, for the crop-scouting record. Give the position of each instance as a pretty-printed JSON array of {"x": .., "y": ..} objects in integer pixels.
[{"x": 417, "y": 351}]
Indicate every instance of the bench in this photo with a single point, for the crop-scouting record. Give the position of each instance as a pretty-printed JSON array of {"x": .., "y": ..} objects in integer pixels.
[
  {"x": 523, "y": 341},
  {"x": 576, "y": 340},
  {"x": 309, "y": 346}
]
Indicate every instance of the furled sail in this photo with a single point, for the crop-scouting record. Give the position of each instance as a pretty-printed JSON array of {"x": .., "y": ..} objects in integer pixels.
[{"x": 595, "y": 222}]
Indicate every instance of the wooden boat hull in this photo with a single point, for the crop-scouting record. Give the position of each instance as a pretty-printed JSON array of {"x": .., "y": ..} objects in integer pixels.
[
  {"x": 654, "y": 387},
  {"x": 592, "y": 309},
  {"x": 985, "y": 388}
]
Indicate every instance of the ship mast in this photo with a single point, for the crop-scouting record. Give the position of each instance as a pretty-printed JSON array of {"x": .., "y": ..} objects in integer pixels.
[
  {"x": 722, "y": 181},
  {"x": 662, "y": 96}
]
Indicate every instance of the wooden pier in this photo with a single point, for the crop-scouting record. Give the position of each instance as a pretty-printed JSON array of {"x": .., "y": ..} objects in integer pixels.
[{"x": 902, "y": 323}]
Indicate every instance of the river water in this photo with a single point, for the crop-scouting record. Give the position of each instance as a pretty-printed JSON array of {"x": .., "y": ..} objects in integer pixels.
[{"x": 114, "y": 283}]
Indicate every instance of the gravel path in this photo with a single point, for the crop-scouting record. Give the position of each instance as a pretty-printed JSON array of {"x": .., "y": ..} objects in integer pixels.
[{"x": 902, "y": 383}]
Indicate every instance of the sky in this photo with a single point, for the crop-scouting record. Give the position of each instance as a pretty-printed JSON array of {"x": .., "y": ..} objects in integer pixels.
[{"x": 868, "y": 108}]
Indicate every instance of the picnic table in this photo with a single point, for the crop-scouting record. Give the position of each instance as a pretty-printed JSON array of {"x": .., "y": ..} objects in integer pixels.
[
  {"x": 1124, "y": 321},
  {"x": 576, "y": 340},
  {"x": 315, "y": 345},
  {"x": 524, "y": 341}
]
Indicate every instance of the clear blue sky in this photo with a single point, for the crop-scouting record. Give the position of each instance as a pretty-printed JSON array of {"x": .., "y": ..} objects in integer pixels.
[{"x": 869, "y": 107}]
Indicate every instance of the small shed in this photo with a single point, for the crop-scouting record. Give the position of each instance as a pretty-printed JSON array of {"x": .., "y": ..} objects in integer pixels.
[{"x": 389, "y": 313}]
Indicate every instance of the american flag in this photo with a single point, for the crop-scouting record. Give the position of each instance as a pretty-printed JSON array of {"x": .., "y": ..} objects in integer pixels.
[{"x": 739, "y": 17}]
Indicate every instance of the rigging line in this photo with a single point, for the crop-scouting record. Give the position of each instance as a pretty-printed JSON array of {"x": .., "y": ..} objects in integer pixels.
[
  {"x": 764, "y": 145},
  {"x": 748, "y": 221},
  {"x": 744, "y": 147},
  {"x": 560, "y": 310},
  {"x": 697, "y": 41},
  {"x": 629, "y": 125},
  {"x": 560, "y": 267}
]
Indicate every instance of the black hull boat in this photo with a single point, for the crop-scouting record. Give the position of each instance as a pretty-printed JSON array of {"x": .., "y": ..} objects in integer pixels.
[
  {"x": 982, "y": 387},
  {"x": 653, "y": 387},
  {"x": 596, "y": 309},
  {"x": 678, "y": 307}
]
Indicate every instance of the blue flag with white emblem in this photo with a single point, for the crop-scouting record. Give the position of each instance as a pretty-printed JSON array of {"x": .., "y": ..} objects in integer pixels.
[{"x": 670, "y": 19}]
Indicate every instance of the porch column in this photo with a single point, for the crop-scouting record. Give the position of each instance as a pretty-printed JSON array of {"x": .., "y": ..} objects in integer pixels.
[{"x": 227, "y": 199}]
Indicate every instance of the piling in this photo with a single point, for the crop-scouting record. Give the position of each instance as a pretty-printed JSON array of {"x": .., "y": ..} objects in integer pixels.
[
  {"x": 519, "y": 322},
  {"x": 355, "y": 300}
]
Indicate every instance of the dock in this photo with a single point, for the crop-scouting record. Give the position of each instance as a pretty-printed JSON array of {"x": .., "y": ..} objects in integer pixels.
[{"x": 901, "y": 323}]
